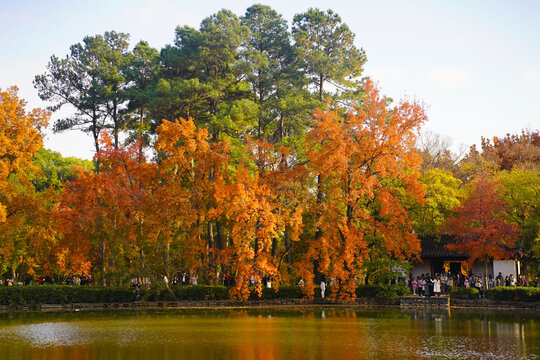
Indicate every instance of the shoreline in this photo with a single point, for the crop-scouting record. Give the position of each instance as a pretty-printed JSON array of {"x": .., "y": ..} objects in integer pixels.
[{"x": 426, "y": 304}]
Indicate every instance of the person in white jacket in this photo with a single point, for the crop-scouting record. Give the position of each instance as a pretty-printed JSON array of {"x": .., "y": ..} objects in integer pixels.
[
  {"x": 323, "y": 288},
  {"x": 437, "y": 286}
]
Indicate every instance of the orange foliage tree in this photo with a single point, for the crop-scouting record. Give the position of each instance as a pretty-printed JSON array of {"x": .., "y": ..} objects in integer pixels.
[
  {"x": 479, "y": 224},
  {"x": 101, "y": 216},
  {"x": 365, "y": 165},
  {"x": 20, "y": 136},
  {"x": 26, "y": 233},
  {"x": 188, "y": 167}
]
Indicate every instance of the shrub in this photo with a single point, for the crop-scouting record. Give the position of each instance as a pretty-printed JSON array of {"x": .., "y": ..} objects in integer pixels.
[
  {"x": 382, "y": 291},
  {"x": 514, "y": 293},
  {"x": 188, "y": 292},
  {"x": 464, "y": 293},
  {"x": 62, "y": 294}
]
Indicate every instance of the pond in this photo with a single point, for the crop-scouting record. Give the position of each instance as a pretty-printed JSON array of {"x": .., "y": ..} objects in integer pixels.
[{"x": 271, "y": 334}]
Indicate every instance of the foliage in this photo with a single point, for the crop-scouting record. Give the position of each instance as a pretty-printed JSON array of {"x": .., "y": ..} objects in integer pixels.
[
  {"x": 464, "y": 293},
  {"x": 54, "y": 171},
  {"x": 514, "y": 293},
  {"x": 364, "y": 166},
  {"x": 441, "y": 197},
  {"x": 382, "y": 291},
  {"x": 480, "y": 226},
  {"x": 513, "y": 150},
  {"x": 101, "y": 216},
  {"x": 326, "y": 50},
  {"x": 20, "y": 138},
  {"x": 520, "y": 188},
  {"x": 62, "y": 294}
]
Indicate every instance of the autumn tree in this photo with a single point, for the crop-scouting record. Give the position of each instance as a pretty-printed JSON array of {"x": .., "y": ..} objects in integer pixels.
[
  {"x": 192, "y": 165},
  {"x": 29, "y": 233},
  {"x": 20, "y": 137},
  {"x": 101, "y": 216},
  {"x": 365, "y": 164},
  {"x": 513, "y": 150},
  {"x": 480, "y": 226}
]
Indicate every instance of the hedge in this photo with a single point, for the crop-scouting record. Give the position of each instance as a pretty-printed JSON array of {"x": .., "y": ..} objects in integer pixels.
[
  {"x": 514, "y": 293},
  {"x": 63, "y": 294},
  {"x": 464, "y": 293}
]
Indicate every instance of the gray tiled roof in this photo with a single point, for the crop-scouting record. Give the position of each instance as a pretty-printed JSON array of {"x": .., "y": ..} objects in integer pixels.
[{"x": 434, "y": 247}]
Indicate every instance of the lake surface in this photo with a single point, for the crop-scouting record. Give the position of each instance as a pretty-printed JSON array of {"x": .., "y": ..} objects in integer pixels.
[{"x": 271, "y": 334}]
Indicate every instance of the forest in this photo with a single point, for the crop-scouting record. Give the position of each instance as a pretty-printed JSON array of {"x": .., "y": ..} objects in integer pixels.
[{"x": 248, "y": 148}]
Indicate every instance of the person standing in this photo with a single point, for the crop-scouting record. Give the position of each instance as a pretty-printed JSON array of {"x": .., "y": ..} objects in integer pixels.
[
  {"x": 323, "y": 288},
  {"x": 437, "y": 286},
  {"x": 499, "y": 280}
]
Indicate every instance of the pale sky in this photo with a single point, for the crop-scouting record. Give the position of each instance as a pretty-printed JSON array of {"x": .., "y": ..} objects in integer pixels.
[{"x": 475, "y": 64}]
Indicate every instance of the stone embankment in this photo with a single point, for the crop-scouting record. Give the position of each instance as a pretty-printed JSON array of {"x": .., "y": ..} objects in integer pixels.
[
  {"x": 405, "y": 302},
  {"x": 447, "y": 302},
  {"x": 433, "y": 302}
]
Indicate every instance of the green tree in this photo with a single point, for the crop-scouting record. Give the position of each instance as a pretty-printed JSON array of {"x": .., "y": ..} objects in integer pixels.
[
  {"x": 202, "y": 78},
  {"x": 520, "y": 188},
  {"x": 442, "y": 195},
  {"x": 141, "y": 71},
  {"x": 54, "y": 169},
  {"x": 90, "y": 79},
  {"x": 326, "y": 48}
]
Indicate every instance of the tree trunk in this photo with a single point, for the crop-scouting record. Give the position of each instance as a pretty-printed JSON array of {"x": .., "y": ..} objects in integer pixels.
[
  {"x": 321, "y": 82},
  {"x": 288, "y": 246},
  {"x": 219, "y": 236},
  {"x": 116, "y": 124},
  {"x": 485, "y": 275},
  {"x": 102, "y": 253},
  {"x": 167, "y": 256},
  {"x": 95, "y": 134}
]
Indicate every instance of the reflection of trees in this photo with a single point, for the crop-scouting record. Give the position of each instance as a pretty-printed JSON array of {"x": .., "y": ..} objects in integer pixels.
[{"x": 281, "y": 334}]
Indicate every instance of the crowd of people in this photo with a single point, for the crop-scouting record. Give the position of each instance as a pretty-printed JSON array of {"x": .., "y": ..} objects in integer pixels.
[{"x": 427, "y": 285}]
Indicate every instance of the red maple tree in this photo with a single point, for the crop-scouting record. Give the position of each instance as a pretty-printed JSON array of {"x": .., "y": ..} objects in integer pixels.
[{"x": 479, "y": 224}]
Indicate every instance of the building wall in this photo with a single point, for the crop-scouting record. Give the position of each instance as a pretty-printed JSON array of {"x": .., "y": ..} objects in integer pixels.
[
  {"x": 478, "y": 268},
  {"x": 421, "y": 268},
  {"x": 506, "y": 267}
]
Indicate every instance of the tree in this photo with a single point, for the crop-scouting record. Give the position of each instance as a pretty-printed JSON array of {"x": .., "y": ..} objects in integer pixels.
[
  {"x": 141, "y": 72},
  {"x": 28, "y": 234},
  {"x": 326, "y": 48},
  {"x": 479, "y": 224},
  {"x": 202, "y": 78},
  {"x": 53, "y": 170},
  {"x": 191, "y": 168},
  {"x": 365, "y": 165},
  {"x": 436, "y": 154},
  {"x": 520, "y": 188},
  {"x": 513, "y": 150},
  {"x": 101, "y": 216},
  {"x": 89, "y": 79},
  {"x": 442, "y": 196},
  {"x": 20, "y": 137}
]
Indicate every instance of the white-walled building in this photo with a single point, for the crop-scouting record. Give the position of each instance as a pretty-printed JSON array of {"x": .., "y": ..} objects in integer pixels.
[{"x": 436, "y": 259}]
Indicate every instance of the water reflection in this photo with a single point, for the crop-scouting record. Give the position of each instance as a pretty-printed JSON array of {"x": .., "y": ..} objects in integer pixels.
[{"x": 269, "y": 334}]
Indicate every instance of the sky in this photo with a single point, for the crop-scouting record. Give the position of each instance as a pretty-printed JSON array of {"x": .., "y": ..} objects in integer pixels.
[{"x": 474, "y": 64}]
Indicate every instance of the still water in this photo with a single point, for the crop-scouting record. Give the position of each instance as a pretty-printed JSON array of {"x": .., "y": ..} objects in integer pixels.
[{"x": 271, "y": 334}]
